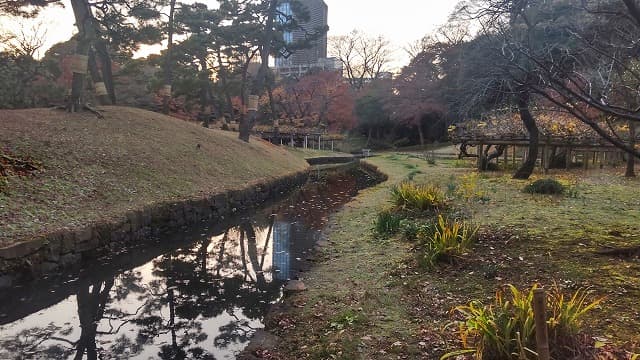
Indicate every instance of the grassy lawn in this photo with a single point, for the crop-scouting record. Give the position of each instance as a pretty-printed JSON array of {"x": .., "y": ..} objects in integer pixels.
[
  {"x": 97, "y": 169},
  {"x": 370, "y": 299}
]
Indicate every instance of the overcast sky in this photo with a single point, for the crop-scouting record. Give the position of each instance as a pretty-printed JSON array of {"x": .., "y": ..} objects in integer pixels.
[{"x": 401, "y": 21}]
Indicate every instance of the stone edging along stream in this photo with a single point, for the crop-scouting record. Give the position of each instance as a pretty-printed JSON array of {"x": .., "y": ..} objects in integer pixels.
[{"x": 65, "y": 248}]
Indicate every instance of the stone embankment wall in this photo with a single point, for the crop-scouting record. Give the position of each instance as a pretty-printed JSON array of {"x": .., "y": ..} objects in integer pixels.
[{"x": 66, "y": 248}]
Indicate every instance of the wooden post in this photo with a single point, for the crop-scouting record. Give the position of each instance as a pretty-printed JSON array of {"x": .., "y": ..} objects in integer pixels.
[
  {"x": 319, "y": 142},
  {"x": 540, "y": 316},
  {"x": 480, "y": 154},
  {"x": 585, "y": 160},
  {"x": 515, "y": 150},
  {"x": 567, "y": 160},
  {"x": 547, "y": 158}
]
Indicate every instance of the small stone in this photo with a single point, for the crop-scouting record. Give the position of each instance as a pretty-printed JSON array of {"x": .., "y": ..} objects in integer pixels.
[
  {"x": 322, "y": 243},
  {"x": 295, "y": 286},
  {"x": 263, "y": 340}
]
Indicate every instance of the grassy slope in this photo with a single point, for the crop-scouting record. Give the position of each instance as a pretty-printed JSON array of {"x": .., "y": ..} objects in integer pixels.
[
  {"x": 97, "y": 169},
  {"x": 368, "y": 298}
]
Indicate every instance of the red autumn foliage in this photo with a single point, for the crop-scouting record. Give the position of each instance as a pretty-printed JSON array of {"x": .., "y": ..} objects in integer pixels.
[{"x": 322, "y": 98}]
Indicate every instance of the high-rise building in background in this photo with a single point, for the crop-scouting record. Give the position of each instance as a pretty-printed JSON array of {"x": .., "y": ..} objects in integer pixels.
[{"x": 315, "y": 56}]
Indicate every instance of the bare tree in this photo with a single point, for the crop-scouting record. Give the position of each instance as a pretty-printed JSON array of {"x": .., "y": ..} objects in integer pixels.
[
  {"x": 26, "y": 40},
  {"x": 363, "y": 57}
]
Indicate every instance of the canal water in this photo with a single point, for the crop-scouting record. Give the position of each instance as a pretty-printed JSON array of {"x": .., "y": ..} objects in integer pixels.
[{"x": 196, "y": 294}]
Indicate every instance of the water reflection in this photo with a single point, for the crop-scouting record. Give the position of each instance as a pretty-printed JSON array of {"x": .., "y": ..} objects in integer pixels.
[{"x": 195, "y": 295}]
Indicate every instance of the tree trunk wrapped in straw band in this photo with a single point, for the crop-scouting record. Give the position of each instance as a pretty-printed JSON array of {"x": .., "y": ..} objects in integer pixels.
[
  {"x": 253, "y": 103},
  {"x": 166, "y": 90},
  {"x": 79, "y": 63},
  {"x": 101, "y": 89}
]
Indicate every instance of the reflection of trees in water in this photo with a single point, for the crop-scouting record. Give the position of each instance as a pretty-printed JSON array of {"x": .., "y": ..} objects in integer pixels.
[
  {"x": 92, "y": 299},
  {"x": 207, "y": 280}
]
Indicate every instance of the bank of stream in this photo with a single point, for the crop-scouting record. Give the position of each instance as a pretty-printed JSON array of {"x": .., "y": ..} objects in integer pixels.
[{"x": 198, "y": 293}]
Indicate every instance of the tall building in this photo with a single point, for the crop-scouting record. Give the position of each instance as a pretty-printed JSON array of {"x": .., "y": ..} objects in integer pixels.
[{"x": 318, "y": 18}]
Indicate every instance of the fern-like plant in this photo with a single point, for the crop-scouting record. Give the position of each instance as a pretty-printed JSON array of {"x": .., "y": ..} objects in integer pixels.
[
  {"x": 505, "y": 330},
  {"x": 410, "y": 196},
  {"x": 450, "y": 239}
]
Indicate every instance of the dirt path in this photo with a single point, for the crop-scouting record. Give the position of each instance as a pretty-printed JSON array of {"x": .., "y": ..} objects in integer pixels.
[{"x": 354, "y": 307}]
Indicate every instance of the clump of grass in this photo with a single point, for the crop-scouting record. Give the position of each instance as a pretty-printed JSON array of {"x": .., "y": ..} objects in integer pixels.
[
  {"x": 545, "y": 186},
  {"x": 470, "y": 189},
  {"x": 413, "y": 230},
  {"x": 505, "y": 329},
  {"x": 450, "y": 239},
  {"x": 410, "y": 196},
  {"x": 344, "y": 320},
  {"x": 387, "y": 222},
  {"x": 411, "y": 175}
]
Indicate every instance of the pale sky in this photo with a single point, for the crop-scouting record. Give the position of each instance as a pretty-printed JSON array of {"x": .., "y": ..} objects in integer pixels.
[{"x": 400, "y": 21}]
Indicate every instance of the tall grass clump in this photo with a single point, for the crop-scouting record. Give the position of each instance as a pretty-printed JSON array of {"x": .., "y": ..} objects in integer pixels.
[
  {"x": 450, "y": 239},
  {"x": 387, "y": 222},
  {"x": 505, "y": 329},
  {"x": 410, "y": 196}
]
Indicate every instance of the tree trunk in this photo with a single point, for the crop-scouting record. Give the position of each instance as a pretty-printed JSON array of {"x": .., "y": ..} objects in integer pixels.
[
  {"x": 631, "y": 160},
  {"x": 96, "y": 76},
  {"x": 168, "y": 65},
  {"x": 526, "y": 169},
  {"x": 86, "y": 34},
  {"x": 487, "y": 157},
  {"x": 421, "y": 134},
  {"x": 247, "y": 121},
  {"x": 105, "y": 59},
  {"x": 272, "y": 104},
  {"x": 205, "y": 91},
  {"x": 222, "y": 72}
]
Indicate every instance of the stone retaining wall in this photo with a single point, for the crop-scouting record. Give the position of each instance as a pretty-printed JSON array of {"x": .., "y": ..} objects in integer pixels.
[
  {"x": 323, "y": 160},
  {"x": 67, "y": 248}
]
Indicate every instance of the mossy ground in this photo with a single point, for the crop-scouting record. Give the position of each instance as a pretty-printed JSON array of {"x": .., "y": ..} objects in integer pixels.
[
  {"x": 98, "y": 169},
  {"x": 369, "y": 299}
]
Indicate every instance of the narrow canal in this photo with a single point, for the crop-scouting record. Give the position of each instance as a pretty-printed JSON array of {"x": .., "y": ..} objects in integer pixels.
[{"x": 197, "y": 294}]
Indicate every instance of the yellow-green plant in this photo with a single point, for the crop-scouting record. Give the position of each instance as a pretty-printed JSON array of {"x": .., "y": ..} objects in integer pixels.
[
  {"x": 410, "y": 196},
  {"x": 505, "y": 330},
  {"x": 469, "y": 188},
  {"x": 449, "y": 240},
  {"x": 566, "y": 313}
]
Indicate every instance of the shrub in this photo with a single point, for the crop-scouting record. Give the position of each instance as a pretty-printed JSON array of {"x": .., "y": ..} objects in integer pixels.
[
  {"x": 450, "y": 239},
  {"x": 506, "y": 328},
  {"x": 545, "y": 186},
  {"x": 417, "y": 197},
  {"x": 387, "y": 223}
]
